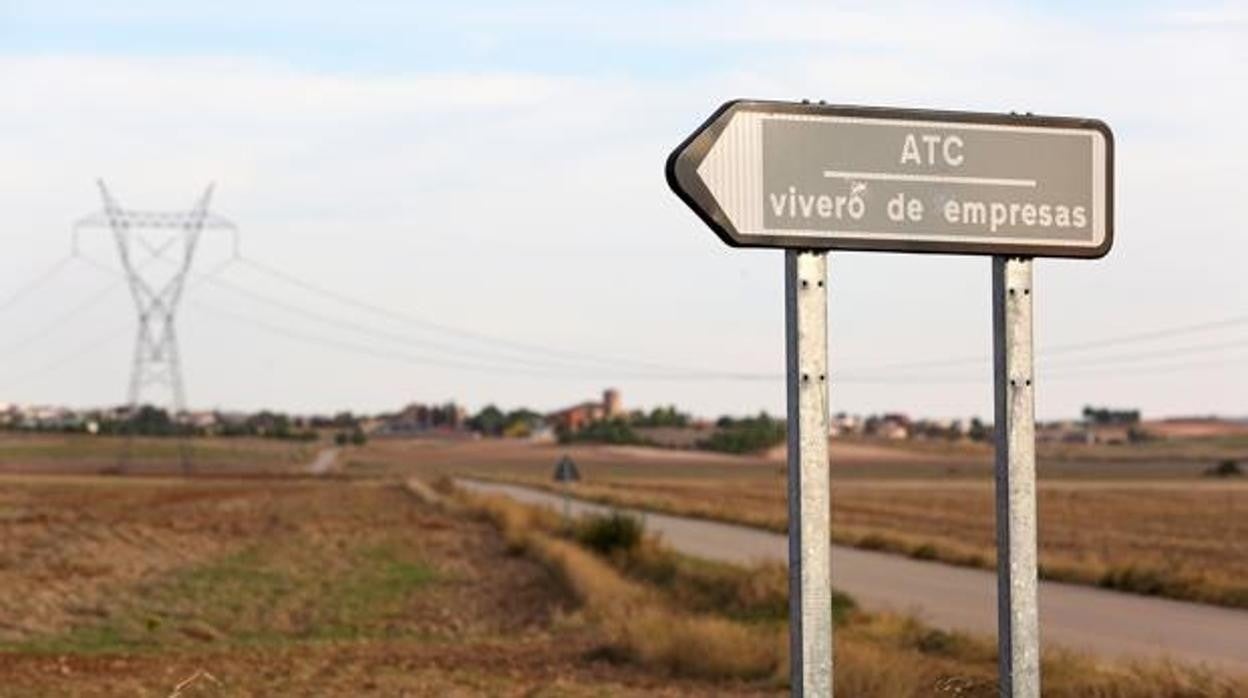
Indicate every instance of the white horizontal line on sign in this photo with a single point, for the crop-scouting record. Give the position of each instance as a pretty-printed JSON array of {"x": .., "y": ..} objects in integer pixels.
[{"x": 948, "y": 179}]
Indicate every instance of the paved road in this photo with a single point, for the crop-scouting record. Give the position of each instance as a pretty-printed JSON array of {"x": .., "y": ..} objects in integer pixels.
[
  {"x": 325, "y": 461},
  {"x": 961, "y": 598}
]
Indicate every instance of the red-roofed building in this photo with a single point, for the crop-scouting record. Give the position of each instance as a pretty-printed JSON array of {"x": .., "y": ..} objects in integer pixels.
[{"x": 577, "y": 417}]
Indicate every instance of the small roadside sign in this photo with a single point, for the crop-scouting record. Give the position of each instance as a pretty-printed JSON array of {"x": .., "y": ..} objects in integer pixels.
[
  {"x": 566, "y": 470},
  {"x": 815, "y": 176}
]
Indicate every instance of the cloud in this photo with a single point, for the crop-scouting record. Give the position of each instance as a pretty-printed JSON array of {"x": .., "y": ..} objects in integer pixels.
[
  {"x": 530, "y": 201},
  {"x": 1224, "y": 17},
  {"x": 265, "y": 90}
]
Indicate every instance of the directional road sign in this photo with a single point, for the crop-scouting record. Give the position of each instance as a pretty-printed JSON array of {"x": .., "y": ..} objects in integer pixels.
[{"x": 815, "y": 176}]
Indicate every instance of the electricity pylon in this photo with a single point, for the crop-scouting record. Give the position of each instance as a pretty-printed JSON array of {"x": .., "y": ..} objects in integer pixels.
[{"x": 156, "y": 359}]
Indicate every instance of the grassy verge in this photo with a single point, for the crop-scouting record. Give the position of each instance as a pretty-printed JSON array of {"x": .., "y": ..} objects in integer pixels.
[
  {"x": 636, "y": 620},
  {"x": 711, "y": 620},
  {"x": 1153, "y": 570}
]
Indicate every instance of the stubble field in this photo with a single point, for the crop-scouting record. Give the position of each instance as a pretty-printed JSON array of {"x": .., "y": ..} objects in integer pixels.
[
  {"x": 131, "y": 587},
  {"x": 80, "y": 453}
]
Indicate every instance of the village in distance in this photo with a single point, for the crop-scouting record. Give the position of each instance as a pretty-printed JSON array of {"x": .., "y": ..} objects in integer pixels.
[{"x": 606, "y": 420}]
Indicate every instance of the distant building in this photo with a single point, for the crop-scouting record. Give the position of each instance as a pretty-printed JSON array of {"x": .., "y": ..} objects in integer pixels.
[
  {"x": 893, "y": 430},
  {"x": 843, "y": 424},
  {"x": 1114, "y": 435},
  {"x": 611, "y": 403},
  {"x": 418, "y": 418},
  {"x": 1067, "y": 432},
  {"x": 203, "y": 420},
  {"x": 543, "y": 434},
  {"x": 892, "y": 425},
  {"x": 43, "y": 417},
  {"x": 577, "y": 417},
  {"x": 231, "y": 419}
]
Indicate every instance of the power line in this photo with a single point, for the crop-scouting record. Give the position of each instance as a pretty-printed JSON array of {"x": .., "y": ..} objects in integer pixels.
[
  {"x": 60, "y": 320},
  {"x": 1045, "y": 352},
  {"x": 859, "y": 374},
  {"x": 350, "y": 346},
  {"x": 1061, "y": 373},
  {"x": 926, "y": 363},
  {"x": 1130, "y": 357},
  {"x": 1149, "y": 335},
  {"x": 552, "y": 366},
  {"x": 1106, "y": 373},
  {"x": 38, "y": 281},
  {"x": 572, "y": 363},
  {"x": 474, "y": 335},
  {"x": 85, "y": 349},
  {"x": 849, "y": 376},
  {"x": 211, "y": 274},
  {"x": 364, "y": 329},
  {"x": 494, "y": 368},
  {"x": 1160, "y": 353},
  {"x": 333, "y": 343},
  {"x": 88, "y": 303},
  {"x": 1057, "y": 373},
  {"x": 549, "y": 368},
  {"x": 424, "y": 360}
]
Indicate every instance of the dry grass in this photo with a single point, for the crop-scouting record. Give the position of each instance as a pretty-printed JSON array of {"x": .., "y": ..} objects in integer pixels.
[
  {"x": 894, "y": 656},
  {"x": 1204, "y": 447},
  {"x": 1184, "y": 540},
  {"x": 637, "y": 623},
  {"x": 1202, "y": 450},
  {"x": 877, "y": 655}
]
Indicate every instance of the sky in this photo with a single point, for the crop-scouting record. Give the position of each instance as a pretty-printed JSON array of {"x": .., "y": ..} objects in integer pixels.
[{"x": 466, "y": 201}]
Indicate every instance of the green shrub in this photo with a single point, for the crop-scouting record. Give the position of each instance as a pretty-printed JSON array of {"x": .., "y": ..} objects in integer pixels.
[
  {"x": 1139, "y": 580},
  {"x": 1227, "y": 468},
  {"x": 615, "y": 431},
  {"x": 659, "y": 417},
  {"x": 926, "y": 551},
  {"x": 610, "y": 533},
  {"x": 748, "y": 435},
  {"x": 873, "y": 541}
]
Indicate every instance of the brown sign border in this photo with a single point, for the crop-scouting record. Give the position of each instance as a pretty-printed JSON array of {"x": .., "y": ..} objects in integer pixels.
[{"x": 682, "y": 177}]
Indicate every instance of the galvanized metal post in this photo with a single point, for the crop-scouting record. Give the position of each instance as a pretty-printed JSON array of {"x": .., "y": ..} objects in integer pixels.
[
  {"x": 810, "y": 582},
  {"x": 1018, "y": 621}
]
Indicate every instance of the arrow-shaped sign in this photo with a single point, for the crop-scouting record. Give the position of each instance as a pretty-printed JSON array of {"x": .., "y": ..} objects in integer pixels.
[{"x": 775, "y": 174}]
